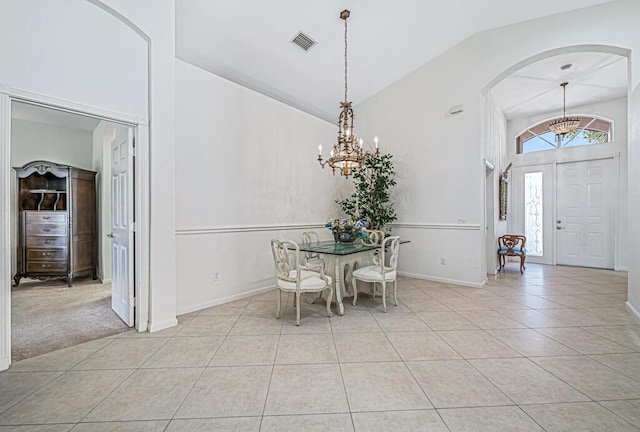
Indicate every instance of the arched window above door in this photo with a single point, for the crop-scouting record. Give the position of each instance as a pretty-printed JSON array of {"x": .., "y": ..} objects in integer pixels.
[{"x": 538, "y": 137}]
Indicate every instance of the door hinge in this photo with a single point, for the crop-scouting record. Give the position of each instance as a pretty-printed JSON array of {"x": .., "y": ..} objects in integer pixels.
[{"x": 134, "y": 226}]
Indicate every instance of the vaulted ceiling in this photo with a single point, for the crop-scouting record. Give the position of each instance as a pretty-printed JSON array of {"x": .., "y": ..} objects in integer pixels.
[
  {"x": 535, "y": 89},
  {"x": 248, "y": 41}
]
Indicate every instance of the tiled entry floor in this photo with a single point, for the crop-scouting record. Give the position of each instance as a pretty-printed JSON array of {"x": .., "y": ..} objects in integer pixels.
[{"x": 553, "y": 350}]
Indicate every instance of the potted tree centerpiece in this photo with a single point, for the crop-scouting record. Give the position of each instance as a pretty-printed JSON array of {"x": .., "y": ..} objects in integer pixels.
[{"x": 371, "y": 200}]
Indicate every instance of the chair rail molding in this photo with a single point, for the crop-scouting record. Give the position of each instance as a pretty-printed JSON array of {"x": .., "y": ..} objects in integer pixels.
[
  {"x": 437, "y": 226},
  {"x": 227, "y": 229}
]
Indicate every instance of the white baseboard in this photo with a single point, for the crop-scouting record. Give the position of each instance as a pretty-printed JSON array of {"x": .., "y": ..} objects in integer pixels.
[
  {"x": 223, "y": 300},
  {"x": 4, "y": 363},
  {"x": 154, "y": 327},
  {"x": 443, "y": 280},
  {"x": 621, "y": 269},
  {"x": 105, "y": 281},
  {"x": 633, "y": 310}
]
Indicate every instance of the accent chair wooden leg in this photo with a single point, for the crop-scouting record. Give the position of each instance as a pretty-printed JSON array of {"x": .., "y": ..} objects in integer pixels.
[
  {"x": 278, "y": 301},
  {"x": 329, "y": 297},
  {"x": 297, "y": 308},
  {"x": 521, "y": 263},
  {"x": 354, "y": 286}
]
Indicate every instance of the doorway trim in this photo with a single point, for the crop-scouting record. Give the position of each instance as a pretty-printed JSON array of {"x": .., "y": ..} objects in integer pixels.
[
  {"x": 141, "y": 191},
  {"x": 489, "y": 236}
]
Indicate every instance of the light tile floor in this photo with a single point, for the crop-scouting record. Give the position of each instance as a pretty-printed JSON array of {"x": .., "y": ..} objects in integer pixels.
[{"x": 551, "y": 350}]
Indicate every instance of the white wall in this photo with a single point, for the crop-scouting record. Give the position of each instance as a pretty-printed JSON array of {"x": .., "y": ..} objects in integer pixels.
[
  {"x": 441, "y": 156},
  {"x": 245, "y": 169},
  {"x": 157, "y": 20},
  {"x": 615, "y": 110},
  {"x": 633, "y": 262},
  {"x": 32, "y": 141},
  {"x": 100, "y": 161},
  {"x": 56, "y": 51},
  {"x": 495, "y": 142}
]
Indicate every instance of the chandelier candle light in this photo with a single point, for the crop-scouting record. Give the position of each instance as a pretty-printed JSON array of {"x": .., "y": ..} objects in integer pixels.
[
  {"x": 347, "y": 153},
  {"x": 564, "y": 125}
]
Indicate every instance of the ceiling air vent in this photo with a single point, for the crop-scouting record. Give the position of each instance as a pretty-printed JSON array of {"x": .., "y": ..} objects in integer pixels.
[{"x": 303, "y": 41}]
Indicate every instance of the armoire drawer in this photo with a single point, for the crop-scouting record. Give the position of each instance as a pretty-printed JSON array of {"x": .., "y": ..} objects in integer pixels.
[
  {"x": 46, "y": 242},
  {"x": 46, "y": 217},
  {"x": 46, "y": 255},
  {"x": 46, "y": 229},
  {"x": 46, "y": 267}
]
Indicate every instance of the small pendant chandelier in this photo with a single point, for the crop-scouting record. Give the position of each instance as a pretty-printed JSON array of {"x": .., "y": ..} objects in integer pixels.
[
  {"x": 347, "y": 153},
  {"x": 564, "y": 125}
]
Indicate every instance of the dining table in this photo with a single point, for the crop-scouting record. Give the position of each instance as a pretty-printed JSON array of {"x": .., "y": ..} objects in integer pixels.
[{"x": 341, "y": 260}]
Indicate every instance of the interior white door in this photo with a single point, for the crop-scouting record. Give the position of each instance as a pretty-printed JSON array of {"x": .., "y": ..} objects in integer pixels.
[
  {"x": 584, "y": 216},
  {"x": 122, "y": 285}
]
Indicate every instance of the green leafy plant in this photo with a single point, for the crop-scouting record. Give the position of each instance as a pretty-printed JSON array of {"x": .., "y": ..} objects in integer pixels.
[{"x": 371, "y": 200}]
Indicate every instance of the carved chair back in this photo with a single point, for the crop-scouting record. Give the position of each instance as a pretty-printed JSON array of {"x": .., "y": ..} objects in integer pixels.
[
  {"x": 514, "y": 244},
  {"x": 286, "y": 257},
  {"x": 310, "y": 238}
]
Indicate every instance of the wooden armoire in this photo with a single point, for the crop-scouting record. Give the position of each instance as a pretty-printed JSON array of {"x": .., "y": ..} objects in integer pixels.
[{"x": 56, "y": 222}]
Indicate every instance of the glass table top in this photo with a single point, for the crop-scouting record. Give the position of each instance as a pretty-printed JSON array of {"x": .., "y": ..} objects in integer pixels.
[{"x": 332, "y": 248}]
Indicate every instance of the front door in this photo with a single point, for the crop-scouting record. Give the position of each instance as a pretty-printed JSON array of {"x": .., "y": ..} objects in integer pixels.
[
  {"x": 122, "y": 228},
  {"x": 584, "y": 216}
]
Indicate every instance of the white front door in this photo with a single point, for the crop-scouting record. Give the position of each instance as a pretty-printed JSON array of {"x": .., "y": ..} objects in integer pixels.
[
  {"x": 122, "y": 288},
  {"x": 584, "y": 216}
]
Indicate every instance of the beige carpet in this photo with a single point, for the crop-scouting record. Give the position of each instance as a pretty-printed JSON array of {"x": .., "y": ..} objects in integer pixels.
[{"x": 48, "y": 316}]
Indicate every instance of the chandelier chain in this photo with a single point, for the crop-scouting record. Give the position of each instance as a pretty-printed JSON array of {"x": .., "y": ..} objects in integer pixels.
[{"x": 345, "y": 60}]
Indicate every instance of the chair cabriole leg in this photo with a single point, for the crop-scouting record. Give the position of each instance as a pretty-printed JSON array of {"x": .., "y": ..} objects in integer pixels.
[
  {"x": 395, "y": 291},
  {"x": 355, "y": 290},
  {"x": 278, "y": 301},
  {"x": 297, "y": 308},
  {"x": 384, "y": 295},
  {"x": 329, "y": 297}
]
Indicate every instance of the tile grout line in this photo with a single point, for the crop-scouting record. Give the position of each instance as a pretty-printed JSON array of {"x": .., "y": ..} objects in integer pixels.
[
  {"x": 204, "y": 369},
  {"x": 344, "y": 386},
  {"x": 273, "y": 366}
]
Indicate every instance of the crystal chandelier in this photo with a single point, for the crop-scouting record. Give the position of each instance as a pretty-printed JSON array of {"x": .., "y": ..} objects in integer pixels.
[
  {"x": 347, "y": 153},
  {"x": 564, "y": 125}
]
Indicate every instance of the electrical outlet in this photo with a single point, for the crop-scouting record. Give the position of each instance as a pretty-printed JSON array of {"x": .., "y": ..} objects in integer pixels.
[
  {"x": 462, "y": 220},
  {"x": 443, "y": 261},
  {"x": 216, "y": 276}
]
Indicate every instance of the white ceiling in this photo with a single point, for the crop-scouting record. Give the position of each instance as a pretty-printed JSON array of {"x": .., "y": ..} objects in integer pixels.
[
  {"x": 247, "y": 41},
  {"x": 535, "y": 89},
  {"x": 34, "y": 113}
]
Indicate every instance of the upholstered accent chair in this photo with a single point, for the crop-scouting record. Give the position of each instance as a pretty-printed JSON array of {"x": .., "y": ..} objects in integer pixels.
[{"x": 512, "y": 245}]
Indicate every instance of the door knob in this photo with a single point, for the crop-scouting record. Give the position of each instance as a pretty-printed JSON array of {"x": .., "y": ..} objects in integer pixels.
[
  {"x": 110, "y": 235},
  {"x": 559, "y": 227},
  {"x": 558, "y": 221}
]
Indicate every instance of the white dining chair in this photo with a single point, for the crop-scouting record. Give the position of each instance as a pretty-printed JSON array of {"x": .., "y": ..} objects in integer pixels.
[
  {"x": 379, "y": 273},
  {"x": 293, "y": 276},
  {"x": 310, "y": 238}
]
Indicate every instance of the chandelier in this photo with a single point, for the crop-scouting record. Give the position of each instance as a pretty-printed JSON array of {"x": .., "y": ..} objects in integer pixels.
[
  {"x": 347, "y": 153},
  {"x": 564, "y": 125}
]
